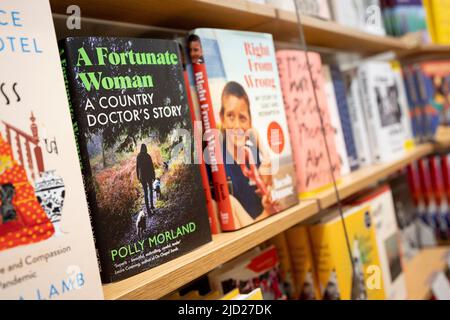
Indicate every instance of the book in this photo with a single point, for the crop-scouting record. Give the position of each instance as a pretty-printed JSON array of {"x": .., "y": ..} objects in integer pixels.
[
  {"x": 133, "y": 128},
  {"x": 403, "y": 103},
  {"x": 248, "y": 149},
  {"x": 211, "y": 204},
  {"x": 433, "y": 78},
  {"x": 406, "y": 216},
  {"x": 442, "y": 214},
  {"x": 315, "y": 8},
  {"x": 335, "y": 120},
  {"x": 280, "y": 242},
  {"x": 46, "y": 246},
  {"x": 388, "y": 240},
  {"x": 382, "y": 99},
  {"x": 344, "y": 273},
  {"x": 361, "y": 14},
  {"x": 359, "y": 126},
  {"x": 438, "y": 23},
  {"x": 406, "y": 16},
  {"x": 308, "y": 121},
  {"x": 256, "y": 269},
  {"x": 344, "y": 116},
  {"x": 303, "y": 267},
  {"x": 415, "y": 110}
]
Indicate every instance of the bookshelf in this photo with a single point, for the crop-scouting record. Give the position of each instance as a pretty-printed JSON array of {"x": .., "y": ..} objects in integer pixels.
[
  {"x": 243, "y": 15},
  {"x": 235, "y": 14},
  {"x": 420, "y": 271},
  {"x": 157, "y": 282}
]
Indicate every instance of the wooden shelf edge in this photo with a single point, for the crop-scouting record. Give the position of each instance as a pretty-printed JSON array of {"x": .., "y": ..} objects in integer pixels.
[
  {"x": 161, "y": 280},
  {"x": 363, "y": 178},
  {"x": 420, "y": 271}
]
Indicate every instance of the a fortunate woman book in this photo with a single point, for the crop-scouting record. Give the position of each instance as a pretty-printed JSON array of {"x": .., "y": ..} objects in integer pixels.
[{"x": 133, "y": 127}]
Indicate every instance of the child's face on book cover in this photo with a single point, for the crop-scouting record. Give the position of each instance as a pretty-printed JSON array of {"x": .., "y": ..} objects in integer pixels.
[
  {"x": 236, "y": 119},
  {"x": 195, "y": 51}
]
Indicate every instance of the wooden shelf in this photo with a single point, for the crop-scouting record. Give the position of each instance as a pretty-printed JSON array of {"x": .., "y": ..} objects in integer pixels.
[
  {"x": 170, "y": 276},
  {"x": 420, "y": 271},
  {"x": 364, "y": 177},
  {"x": 329, "y": 34},
  {"x": 234, "y": 14},
  {"x": 443, "y": 139},
  {"x": 426, "y": 50}
]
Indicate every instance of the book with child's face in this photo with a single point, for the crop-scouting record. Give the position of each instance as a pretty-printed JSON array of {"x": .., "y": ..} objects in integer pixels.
[
  {"x": 241, "y": 106},
  {"x": 301, "y": 86},
  {"x": 46, "y": 245},
  {"x": 133, "y": 126}
]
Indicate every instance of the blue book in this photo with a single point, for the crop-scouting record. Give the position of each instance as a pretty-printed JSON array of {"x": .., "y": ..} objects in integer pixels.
[{"x": 341, "y": 99}]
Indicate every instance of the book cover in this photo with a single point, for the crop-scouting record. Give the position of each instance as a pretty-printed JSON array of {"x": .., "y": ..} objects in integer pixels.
[
  {"x": 344, "y": 275},
  {"x": 371, "y": 17},
  {"x": 388, "y": 240},
  {"x": 346, "y": 12},
  {"x": 281, "y": 244},
  {"x": 382, "y": 99},
  {"x": 359, "y": 126},
  {"x": 46, "y": 245},
  {"x": 434, "y": 87},
  {"x": 335, "y": 120},
  {"x": 303, "y": 267},
  {"x": 344, "y": 116},
  {"x": 415, "y": 111},
  {"x": 133, "y": 125},
  {"x": 306, "y": 118},
  {"x": 248, "y": 146},
  {"x": 442, "y": 208},
  {"x": 438, "y": 21},
  {"x": 406, "y": 216},
  {"x": 315, "y": 8},
  {"x": 257, "y": 269}
]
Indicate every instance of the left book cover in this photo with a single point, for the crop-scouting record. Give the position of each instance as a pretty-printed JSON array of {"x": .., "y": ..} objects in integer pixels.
[
  {"x": 46, "y": 245},
  {"x": 133, "y": 127}
]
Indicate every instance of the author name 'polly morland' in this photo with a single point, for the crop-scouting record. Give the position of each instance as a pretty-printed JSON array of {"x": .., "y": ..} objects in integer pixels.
[{"x": 156, "y": 240}]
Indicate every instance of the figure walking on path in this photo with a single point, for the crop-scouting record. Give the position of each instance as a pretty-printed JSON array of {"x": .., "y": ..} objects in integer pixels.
[{"x": 146, "y": 174}]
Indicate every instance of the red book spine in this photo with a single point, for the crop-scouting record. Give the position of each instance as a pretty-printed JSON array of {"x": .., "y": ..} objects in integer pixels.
[
  {"x": 425, "y": 180},
  {"x": 437, "y": 180},
  {"x": 446, "y": 174},
  {"x": 414, "y": 182},
  {"x": 212, "y": 215},
  {"x": 213, "y": 148}
]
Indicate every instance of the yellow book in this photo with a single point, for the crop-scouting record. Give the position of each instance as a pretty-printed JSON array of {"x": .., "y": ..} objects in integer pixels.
[
  {"x": 281, "y": 244},
  {"x": 430, "y": 19},
  {"x": 231, "y": 295},
  {"x": 338, "y": 277},
  {"x": 302, "y": 263},
  {"x": 438, "y": 17}
]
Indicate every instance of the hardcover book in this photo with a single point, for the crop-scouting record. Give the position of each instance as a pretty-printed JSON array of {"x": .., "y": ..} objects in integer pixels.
[
  {"x": 384, "y": 114},
  {"x": 303, "y": 267},
  {"x": 248, "y": 149},
  {"x": 344, "y": 273},
  {"x": 336, "y": 122},
  {"x": 133, "y": 126},
  {"x": 344, "y": 116},
  {"x": 305, "y": 119},
  {"x": 46, "y": 245},
  {"x": 356, "y": 112},
  {"x": 388, "y": 240},
  {"x": 315, "y": 8}
]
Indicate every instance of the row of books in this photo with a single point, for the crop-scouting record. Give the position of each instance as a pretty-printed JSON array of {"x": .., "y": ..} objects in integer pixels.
[
  {"x": 428, "y": 18},
  {"x": 361, "y": 255},
  {"x": 429, "y": 179},
  {"x": 110, "y": 146}
]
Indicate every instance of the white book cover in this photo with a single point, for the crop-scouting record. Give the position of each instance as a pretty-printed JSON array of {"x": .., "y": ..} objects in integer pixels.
[
  {"x": 403, "y": 102},
  {"x": 383, "y": 111},
  {"x": 346, "y": 12},
  {"x": 359, "y": 127},
  {"x": 388, "y": 242},
  {"x": 46, "y": 245},
  {"x": 335, "y": 120},
  {"x": 315, "y": 8},
  {"x": 371, "y": 16}
]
